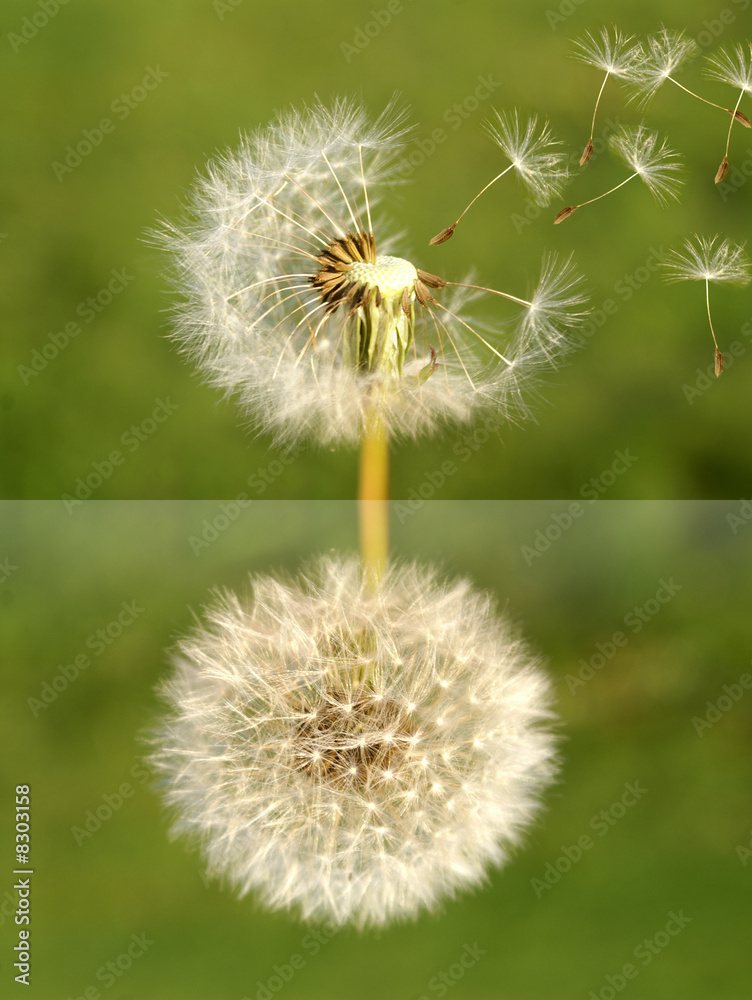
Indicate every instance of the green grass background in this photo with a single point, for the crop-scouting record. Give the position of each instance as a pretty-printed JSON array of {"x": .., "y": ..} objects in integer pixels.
[
  {"x": 675, "y": 850},
  {"x": 231, "y": 68}
]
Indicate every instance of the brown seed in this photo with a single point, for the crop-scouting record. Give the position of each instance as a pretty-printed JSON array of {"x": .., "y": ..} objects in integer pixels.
[
  {"x": 741, "y": 117},
  {"x": 718, "y": 362},
  {"x": 565, "y": 213},
  {"x": 722, "y": 170},
  {"x": 588, "y": 152},
  {"x": 352, "y": 247},
  {"x": 421, "y": 293},
  {"x": 430, "y": 279},
  {"x": 406, "y": 301},
  {"x": 443, "y": 236}
]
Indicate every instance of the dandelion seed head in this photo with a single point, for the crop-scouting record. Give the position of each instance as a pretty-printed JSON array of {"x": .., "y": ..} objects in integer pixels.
[
  {"x": 297, "y": 302},
  {"x": 715, "y": 259},
  {"x": 651, "y": 158},
  {"x": 331, "y": 781},
  {"x": 732, "y": 66},
  {"x": 535, "y": 155},
  {"x": 610, "y": 51}
]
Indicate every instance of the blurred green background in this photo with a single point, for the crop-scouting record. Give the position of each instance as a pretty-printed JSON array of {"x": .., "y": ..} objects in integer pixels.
[
  {"x": 227, "y": 66},
  {"x": 677, "y": 849}
]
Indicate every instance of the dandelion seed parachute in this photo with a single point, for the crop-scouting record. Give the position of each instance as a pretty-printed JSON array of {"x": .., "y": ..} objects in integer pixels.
[
  {"x": 354, "y": 756},
  {"x": 296, "y": 301},
  {"x": 664, "y": 53},
  {"x": 716, "y": 259},
  {"x": 650, "y": 158},
  {"x": 732, "y": 66}
]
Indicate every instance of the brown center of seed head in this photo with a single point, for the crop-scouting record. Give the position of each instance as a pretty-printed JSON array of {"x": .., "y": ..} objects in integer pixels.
[{"x": 351, "y": 736}]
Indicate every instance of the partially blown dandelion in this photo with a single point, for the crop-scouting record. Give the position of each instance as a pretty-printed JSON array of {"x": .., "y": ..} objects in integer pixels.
[
  {"x": 297, "y": 305},
  {"x": 616, "y": 56},
  {"x": 354, "y": 755},
  {"x": 534, "y": 155},
  {"x": 734, "y": 68},
  {"x": 716, "y": 260},
  {"x": 663, "y": 55},
  {"x": 649, "y": 158}
]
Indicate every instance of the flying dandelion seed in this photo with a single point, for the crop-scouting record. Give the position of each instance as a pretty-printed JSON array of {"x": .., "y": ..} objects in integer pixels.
[
  {"x": 734, "y": 68},
  {"x": 615, "y": 56},
  {"x": 534, "y": 155},
  {"x": 716, "y": 260},
  {"x": 663, "y": 55},
  {"x": 354, "y": 755},
  {"x": 649, "y": 158},
  {"x": 295, "y": 298}
]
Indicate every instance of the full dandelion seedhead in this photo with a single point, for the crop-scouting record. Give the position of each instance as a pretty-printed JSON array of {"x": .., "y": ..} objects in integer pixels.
[
  {"x": 354, "y": 755},
  {"x": 299, "y": 301}
]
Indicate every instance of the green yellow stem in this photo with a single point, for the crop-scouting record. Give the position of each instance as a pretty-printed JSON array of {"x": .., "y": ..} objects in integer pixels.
[{"x": 373, "y": 500}]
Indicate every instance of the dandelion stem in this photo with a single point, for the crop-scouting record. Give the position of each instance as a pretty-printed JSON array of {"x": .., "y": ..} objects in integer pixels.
[
  {"x": 373, "y": 499},
  {"x": 491, "y": 291},
  {"x": 718, "y": 355},
  {"x": 733, "y": 119},
  {"x": 703, "y": 99},
  {"x": 483, "y": 190},
  {"x": 597, "y": 102},
  {"x": 445, "y": 234},
  {"x": 707, "y": 303},
  {"x": 610, "y": 191}
]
